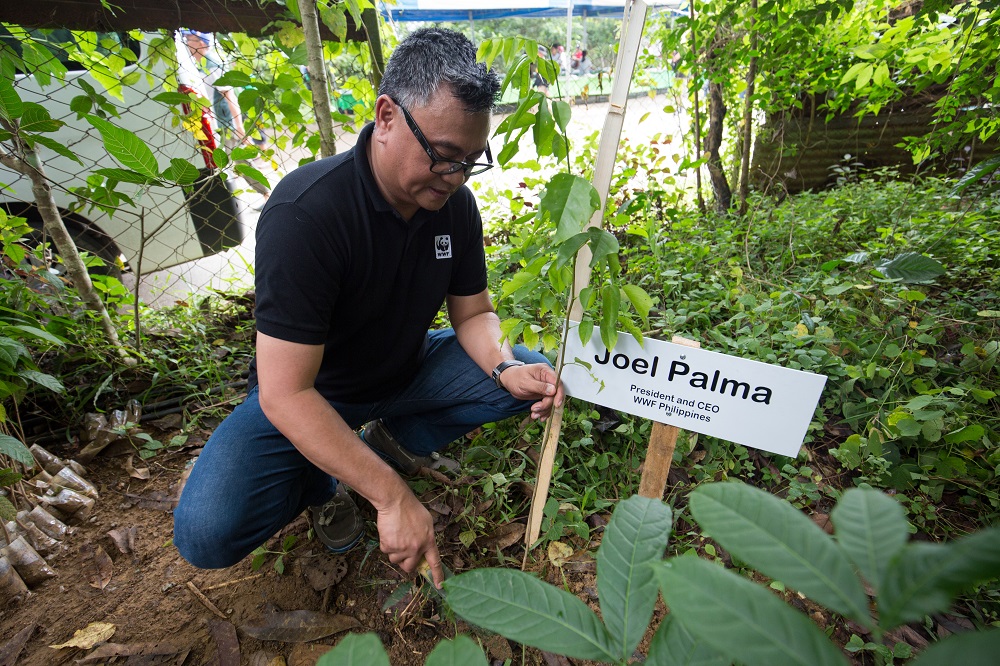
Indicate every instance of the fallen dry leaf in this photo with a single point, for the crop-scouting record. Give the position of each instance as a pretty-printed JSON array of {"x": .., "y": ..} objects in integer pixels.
[
  {"x": 559, "y": 553},
  {"x": 136, "y": 473},
  {"x": 110, "y": 650},
  {"x": 262, "y": 658},
  {"x": 89, "y": 636},
  {"x": 299, "y": 626},
  {"x": 98, "y": 565},
  {"x": 503, "y": 536},
  {"x": 158, "y": 499},
  {"x": 326, "y": 572},
  {"x": 227, "y": 645},
  {"x": 124, "y": 538},
  {"x": 12, "y": 648}
]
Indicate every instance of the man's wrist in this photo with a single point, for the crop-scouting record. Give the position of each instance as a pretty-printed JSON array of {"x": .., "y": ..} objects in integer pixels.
[{"x": 497, "y": 371}]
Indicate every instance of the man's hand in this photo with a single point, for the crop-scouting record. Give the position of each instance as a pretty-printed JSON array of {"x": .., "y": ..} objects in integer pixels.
[
  {"x": 406, "y": 535},
  {"x": 534, "y": 382}
]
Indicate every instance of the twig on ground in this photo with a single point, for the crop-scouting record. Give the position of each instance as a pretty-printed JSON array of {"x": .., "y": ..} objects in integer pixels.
[{"x": 205, "y": 601}]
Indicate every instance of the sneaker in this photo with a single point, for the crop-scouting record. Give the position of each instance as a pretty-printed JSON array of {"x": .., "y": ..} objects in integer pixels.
[
  {"x": 380, "y": 440},
  {"x": 338, "y": 523}
]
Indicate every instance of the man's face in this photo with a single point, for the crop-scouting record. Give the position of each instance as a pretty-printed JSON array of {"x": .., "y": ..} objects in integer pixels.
[
  {"x": 196, "y": 45},
  {"x": 403, "y": 173}
]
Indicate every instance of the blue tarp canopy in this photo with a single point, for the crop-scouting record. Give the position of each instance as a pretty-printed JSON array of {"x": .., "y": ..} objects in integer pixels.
[{"x": 463, "y": 10}]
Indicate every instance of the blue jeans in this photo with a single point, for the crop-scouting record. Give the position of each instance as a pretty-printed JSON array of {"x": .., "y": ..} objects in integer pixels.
[{"x": 250, "y": 481}]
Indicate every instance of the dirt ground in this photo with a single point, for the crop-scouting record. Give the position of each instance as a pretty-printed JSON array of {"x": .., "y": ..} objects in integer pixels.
[{"x": 164, "y": 611}]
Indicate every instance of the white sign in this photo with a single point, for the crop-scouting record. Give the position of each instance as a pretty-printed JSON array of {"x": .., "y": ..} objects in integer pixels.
[{"x": 752, "y": 403}]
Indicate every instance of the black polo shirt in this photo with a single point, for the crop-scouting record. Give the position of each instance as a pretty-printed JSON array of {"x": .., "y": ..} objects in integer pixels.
[{"x": 336, "y": 265}]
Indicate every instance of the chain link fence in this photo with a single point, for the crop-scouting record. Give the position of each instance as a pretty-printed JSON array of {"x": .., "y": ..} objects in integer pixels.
[{"x": 217, "y": 124}]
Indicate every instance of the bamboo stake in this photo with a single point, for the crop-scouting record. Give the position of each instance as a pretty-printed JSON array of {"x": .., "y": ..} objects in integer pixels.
[
  {"x": 628, "y": 48},
  {"x": 660, "y": 453}
]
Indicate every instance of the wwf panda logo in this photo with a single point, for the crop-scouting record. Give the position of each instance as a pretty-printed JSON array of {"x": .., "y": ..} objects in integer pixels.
[{"x": 442, "y": 247}]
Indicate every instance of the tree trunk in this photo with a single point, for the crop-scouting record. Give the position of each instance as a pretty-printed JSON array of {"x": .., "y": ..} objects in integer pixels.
[
  {"x": 697, "y": 110},
  {"x": 30, "y": 166},
  {"x": 317, "y": 78},
  {"x": 370, "y": 20},
  {"x": 713, "y": 142},
  {"x": 748, "y": 113}
]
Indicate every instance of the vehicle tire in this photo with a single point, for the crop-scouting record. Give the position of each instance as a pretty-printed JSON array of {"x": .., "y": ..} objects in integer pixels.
[{"x": 86, "y": 239}]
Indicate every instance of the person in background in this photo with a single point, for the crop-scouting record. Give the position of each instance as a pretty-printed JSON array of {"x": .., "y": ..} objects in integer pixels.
[
  {"x": 584, "y": 66},
  {"x": 208, "y": 69},
  {"x": 355, "y": 255}
]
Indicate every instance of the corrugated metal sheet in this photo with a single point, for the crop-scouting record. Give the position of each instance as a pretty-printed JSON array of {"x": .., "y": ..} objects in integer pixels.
[{"x": 796, "y": 153}]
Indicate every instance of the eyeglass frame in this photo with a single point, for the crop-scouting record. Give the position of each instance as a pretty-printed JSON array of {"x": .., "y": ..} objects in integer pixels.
[{"x": 456, "y": 165}]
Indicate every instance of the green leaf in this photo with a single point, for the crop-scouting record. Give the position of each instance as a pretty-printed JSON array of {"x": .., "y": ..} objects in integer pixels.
[
  {"x": 529, "y": 611},
  {"x": 126, "y": 147},
  {"x": 462, "y": 651},
  {"x": 251, "y": 173},
  {"x": 641, "y": 301},
  {"x": 356, "y": 650},
  {"x": 56, "y": 147},
  {"x": 15, "y": 449},
  {"x": 234, "y": 79},
  {"x": 42, "y": 379},
  {"x": 173, "y": 98},
  {"x": 969, "y": 433},
  {"x": 741, "y": 620},
  {"x": 544, "y": 128},
  {"x": 673, "y": 645},
  {"x": 602, "y": 244},
  {"x": 561, "y": 112},
  {"x": 125, "y": 176},
  {"x": 220, "y": 158},
  {"x": 970, "y": 647},
  {"x": 925, "y": 577},
  {"x": 569, "y": 248},
  {"x": 570, "y": 202},
  {"x": 36, "y": 118},
  {"x": 181, "y": 172},
  {"x": 39, "y": 333},
  {"x": 871, "y": 528},
  {"x": 774, "y": 537},
  {"x": 910, "y": 267},
  {"x": 11, "y": 106},
  {"x": 610, "y": 305},
  {"x": 636, "y": 537}
]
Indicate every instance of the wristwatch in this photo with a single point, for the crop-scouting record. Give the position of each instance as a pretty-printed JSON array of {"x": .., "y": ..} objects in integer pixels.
[{"x": 500, "y": 368}]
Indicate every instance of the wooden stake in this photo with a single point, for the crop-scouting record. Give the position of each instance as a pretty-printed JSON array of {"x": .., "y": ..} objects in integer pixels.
[{"x": 659, "y": 455}]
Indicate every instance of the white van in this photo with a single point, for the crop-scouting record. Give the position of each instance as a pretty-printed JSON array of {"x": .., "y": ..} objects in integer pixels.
[{"x": 162, "y": 225}]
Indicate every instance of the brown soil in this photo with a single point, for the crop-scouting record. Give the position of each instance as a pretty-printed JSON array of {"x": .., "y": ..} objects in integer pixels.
[{"x": 155, "y": 597}]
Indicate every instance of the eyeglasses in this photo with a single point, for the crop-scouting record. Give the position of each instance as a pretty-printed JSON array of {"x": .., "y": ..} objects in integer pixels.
[{"x": 441, "y": 166}]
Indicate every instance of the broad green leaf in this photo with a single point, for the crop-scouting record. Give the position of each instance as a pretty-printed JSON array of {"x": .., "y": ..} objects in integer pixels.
[
  {"x": 569, "y": 248},
  {"x": 518, "y": 281},
  {"x": 126, "y": 147},
  {"x": 252, "y": 173},
  {"x": 56, "y": 147},
  {"x": 39, "y": 333},
  {"x": 872, "y": 529},
  {"x": 969, "y": 433},
  {"x": 910, "y": 267},
  {"x": 10, "y": 102},
  {"x": 975, "y": 173},
  {"x": 15, "y": 449},
  {"x": 561, "y": 112},
  {"x": 635, "y": 537},
  {"x": 970, "y": 647},
  {"x": 673, "y": 645},
  {"x": 356, "y": 650},
  {"x": 529, "y": 611},
  {"x": 610, "y": 305},
  {"x": 641, "y": 301},
  {"x": 42, "y": 379},
  {"x": 220, "y": 158},
  {"x": 234, "y": 79},
  {"x": 173, "y": 98},
  {"x": 244, "y": 153},
  {"x": 570, "y": 201},
  {"x": 125, "y": 176},
  {"x": 462, "y": 651},
  {"x": 743, "y": 621},
  {"x": 181, "y": 172},
  {"x": 586, "y": 329},
  {"x": 925, "y": 577},
  {"x": 36, "y": 118},
  {"x": 777, "y": 539},
  {"x": 602, "y": 244},
  {"x": 544, "y": 129}
]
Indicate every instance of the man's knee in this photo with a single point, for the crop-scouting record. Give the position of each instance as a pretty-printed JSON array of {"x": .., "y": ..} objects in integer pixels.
[{"x": 206, "y": 539}]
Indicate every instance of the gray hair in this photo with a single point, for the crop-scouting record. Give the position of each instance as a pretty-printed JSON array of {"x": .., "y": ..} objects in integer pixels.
[{"x": 434, "y": 56}]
